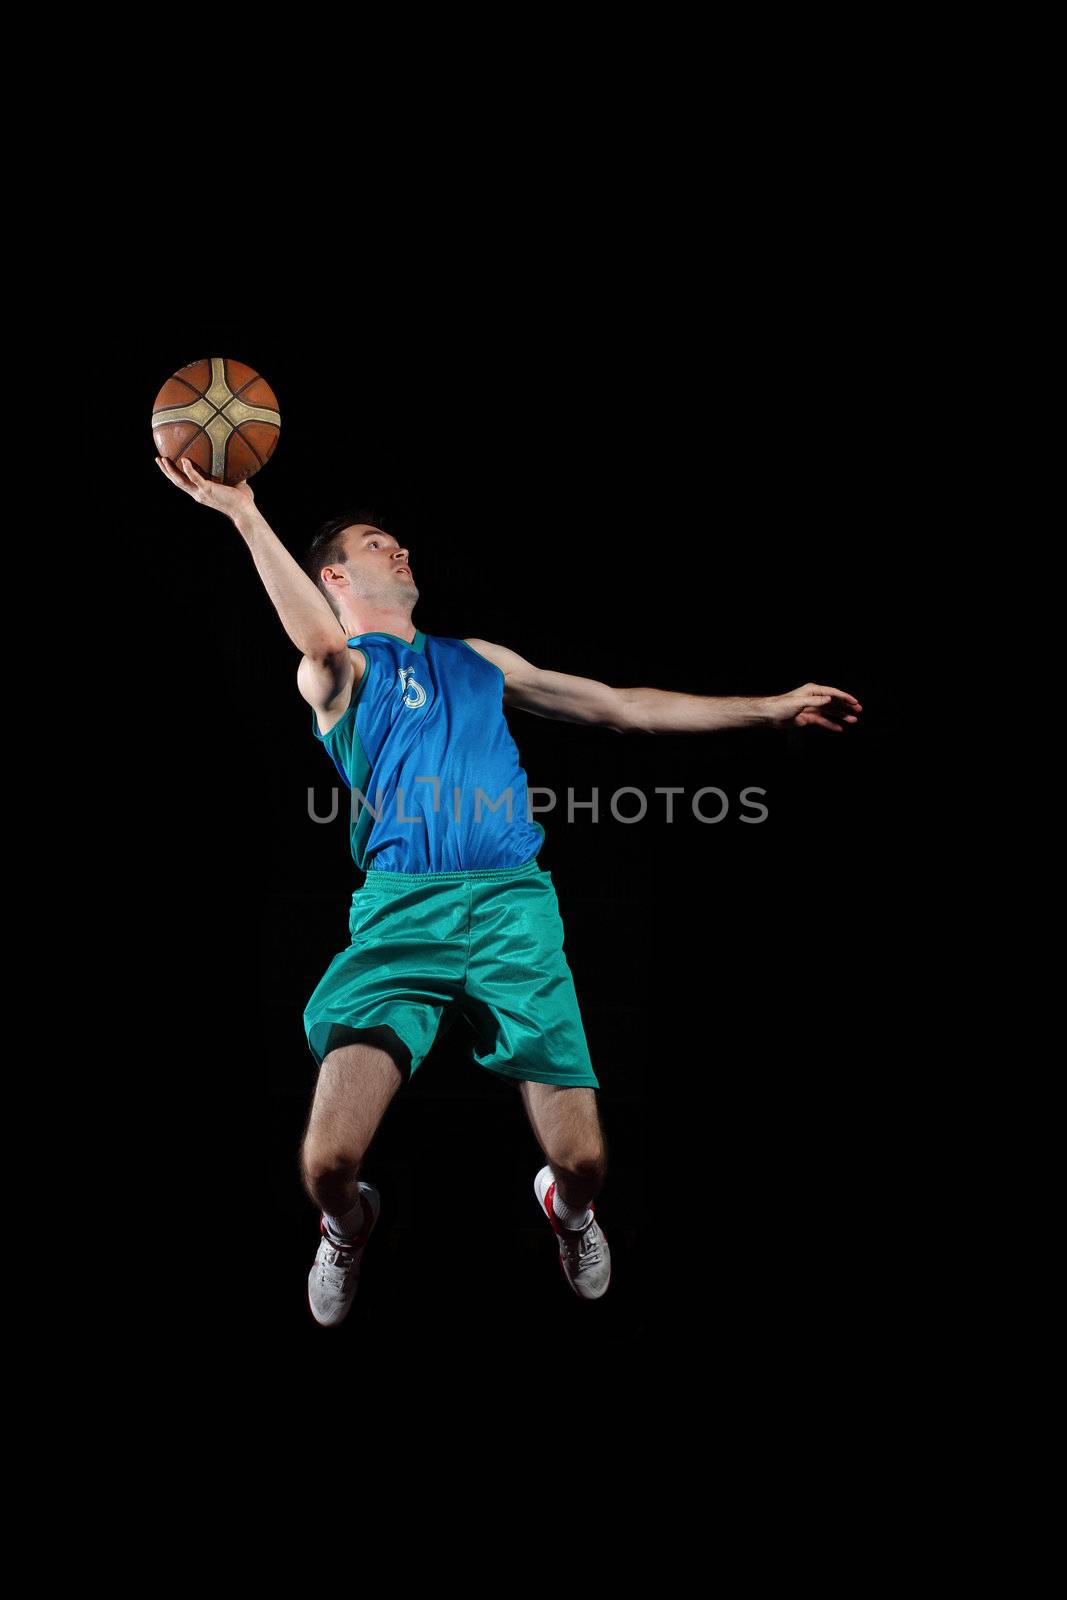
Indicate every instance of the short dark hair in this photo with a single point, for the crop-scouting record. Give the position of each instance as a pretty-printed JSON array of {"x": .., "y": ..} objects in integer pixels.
[{"x": 327, "y": 548}]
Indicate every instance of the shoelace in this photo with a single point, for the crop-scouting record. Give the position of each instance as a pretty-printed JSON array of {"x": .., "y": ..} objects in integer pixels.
[
  {"x": 585, "y": 1250},
  {"x": 336, "y": 1265}
]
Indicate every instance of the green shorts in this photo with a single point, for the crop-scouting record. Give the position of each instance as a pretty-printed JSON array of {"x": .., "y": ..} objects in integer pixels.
[{"x": 428, "y": 947}]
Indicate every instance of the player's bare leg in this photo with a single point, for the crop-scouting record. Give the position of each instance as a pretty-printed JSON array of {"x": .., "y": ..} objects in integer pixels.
[
  {"x": 355, "y": 1087},
  {"x": 356, "y": 1083},
  {"x": 566, "y": 1124}
]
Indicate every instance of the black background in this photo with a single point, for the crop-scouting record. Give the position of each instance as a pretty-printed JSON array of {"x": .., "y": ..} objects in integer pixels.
[{"x": 629, "y": 478}]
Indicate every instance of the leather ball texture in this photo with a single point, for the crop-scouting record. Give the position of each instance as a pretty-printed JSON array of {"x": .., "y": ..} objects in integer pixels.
[{"x": 219, "y": 413}]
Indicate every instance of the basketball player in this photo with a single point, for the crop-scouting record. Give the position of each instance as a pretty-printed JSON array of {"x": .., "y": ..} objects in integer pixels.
[{"x": 455, "y": 913}]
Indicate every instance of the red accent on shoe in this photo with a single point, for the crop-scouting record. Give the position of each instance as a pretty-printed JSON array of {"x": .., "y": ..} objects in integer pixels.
[
  {"x": 550, "y": 1194},
  {"x": 557, "y": 1225},
  {"x": 357, "y": 1244}
]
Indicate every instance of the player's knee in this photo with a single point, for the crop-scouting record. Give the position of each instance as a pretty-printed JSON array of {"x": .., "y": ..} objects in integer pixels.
[
  {"x": 321, "y": 1163},
  {"x": 585, "y": 1162},
  {"x": 594, "y": 1164}
]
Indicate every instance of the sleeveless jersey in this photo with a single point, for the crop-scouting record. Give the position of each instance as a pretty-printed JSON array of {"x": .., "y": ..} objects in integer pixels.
[{"x": 434, "y": 773}]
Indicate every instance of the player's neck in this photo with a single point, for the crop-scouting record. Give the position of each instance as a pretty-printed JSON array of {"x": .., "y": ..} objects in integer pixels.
[{"x": 365, "y": 620}]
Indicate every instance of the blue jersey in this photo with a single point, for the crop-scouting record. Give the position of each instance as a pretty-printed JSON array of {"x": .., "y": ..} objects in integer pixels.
[{"x": 434, "y": 772}]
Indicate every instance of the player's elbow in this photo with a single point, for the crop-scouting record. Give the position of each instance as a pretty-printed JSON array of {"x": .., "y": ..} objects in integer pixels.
[{"x": 626, "y": 713}]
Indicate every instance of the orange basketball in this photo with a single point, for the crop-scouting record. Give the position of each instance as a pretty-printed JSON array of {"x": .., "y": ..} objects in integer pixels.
[{"x": 220, "y": 414}]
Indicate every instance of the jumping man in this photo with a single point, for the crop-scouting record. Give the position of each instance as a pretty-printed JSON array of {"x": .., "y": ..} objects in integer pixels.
[{"x": 455, "y": 915}]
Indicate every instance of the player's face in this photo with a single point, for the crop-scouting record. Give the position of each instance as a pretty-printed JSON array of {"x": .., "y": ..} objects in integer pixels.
[{"x": 379, "y": 565}]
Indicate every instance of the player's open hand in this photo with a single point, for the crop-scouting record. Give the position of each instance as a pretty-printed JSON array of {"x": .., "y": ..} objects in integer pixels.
[
  {"x": 816, "y": 705},
  {"x": 225, "y": 497}
]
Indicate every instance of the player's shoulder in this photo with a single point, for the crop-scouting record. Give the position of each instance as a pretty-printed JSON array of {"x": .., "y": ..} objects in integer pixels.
[
  {"x": 331, "y": 685},
  {"x": 496, "y": 653},
  {"x": 351, "y": 662},
  {"x": 514, "y": 668}
]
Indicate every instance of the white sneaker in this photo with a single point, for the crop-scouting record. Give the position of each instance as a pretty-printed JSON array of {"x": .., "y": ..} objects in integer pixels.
[
  {"x": 584, "y": 1254},
  {"x": 334, "y": 1276}
]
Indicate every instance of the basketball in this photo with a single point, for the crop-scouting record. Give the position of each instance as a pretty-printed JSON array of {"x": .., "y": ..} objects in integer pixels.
[{"x": 219, "y": 413}]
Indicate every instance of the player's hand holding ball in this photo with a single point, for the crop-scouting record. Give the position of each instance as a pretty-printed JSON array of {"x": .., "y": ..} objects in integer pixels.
[{"x": 230, "y": 499}]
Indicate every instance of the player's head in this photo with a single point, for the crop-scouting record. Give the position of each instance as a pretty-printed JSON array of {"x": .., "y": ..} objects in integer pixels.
[{"x": 357, "y": 564}]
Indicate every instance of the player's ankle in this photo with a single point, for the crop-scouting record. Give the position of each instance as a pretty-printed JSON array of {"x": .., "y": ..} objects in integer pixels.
[
  {"x": 346, "y": 1229},
  {"x": 574, "y": 1217}
]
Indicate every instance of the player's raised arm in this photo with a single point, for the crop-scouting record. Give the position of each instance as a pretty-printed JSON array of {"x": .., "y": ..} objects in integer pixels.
[{"x": 305, "y": 613}]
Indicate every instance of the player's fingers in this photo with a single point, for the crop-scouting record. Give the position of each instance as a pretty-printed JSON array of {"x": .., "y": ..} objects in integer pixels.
[
  {"x": 812, "y": 719},
  {"x": 199, "y": 486},
  {"x": 168, "y": 469},
  {"x": 839, "y": 694}
]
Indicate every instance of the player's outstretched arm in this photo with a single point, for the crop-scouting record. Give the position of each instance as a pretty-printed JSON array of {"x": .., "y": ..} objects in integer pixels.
[
  {"x": 812, "y": 705},
  {"x": 555, "y": 694},
  {"x": 305, "y": 613},
  {"x": 559, "y": 694}
]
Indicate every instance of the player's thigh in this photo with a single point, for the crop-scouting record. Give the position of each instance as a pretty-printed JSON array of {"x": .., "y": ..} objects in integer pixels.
[
  {"x": 355, "y": 1087},
  {"x": 566, "y": 1123}
]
